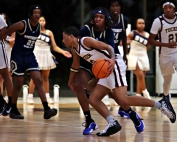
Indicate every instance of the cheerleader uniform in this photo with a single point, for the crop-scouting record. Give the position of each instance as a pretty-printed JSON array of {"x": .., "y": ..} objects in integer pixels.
[
  {"x": 138, "y": 52},
  {"x": 42, "y": 52}
]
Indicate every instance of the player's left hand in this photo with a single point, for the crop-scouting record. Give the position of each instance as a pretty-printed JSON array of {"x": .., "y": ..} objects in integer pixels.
[{"x": 67, "y": 54}]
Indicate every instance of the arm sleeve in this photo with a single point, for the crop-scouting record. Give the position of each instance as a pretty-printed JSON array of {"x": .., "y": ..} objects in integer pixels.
[
  {"x": 84, "y": 32},
  {"x": 2, "y": 22},
  {"x": 156, "y": 26},
  {"x": 110, "y": 38}
]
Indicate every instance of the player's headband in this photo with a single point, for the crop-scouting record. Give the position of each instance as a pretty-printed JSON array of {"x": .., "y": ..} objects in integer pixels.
[
  {"x": 101, "y": 12},
  {"x": 34, "y": 7},
  {"x": 168, "y": 3}
]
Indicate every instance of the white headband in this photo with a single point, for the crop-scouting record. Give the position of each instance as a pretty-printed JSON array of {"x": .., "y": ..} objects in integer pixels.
[{"x": 170, "y": 3}]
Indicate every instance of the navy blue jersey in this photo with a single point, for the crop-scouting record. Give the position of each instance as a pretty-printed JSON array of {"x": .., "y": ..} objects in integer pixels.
[
  {"x": 118, "y": 27},
  {"x": 25, "y": 40},
  {"x": 106, "y": 36}
]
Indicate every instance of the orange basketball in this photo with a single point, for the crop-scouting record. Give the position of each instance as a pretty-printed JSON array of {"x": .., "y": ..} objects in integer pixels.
[{"x": 99, "y": 68}]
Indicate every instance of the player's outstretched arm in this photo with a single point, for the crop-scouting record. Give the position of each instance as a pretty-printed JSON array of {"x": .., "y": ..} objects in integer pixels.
[
  {"x": 15, "y": 27},
  {"x": 56, "y": 48}
]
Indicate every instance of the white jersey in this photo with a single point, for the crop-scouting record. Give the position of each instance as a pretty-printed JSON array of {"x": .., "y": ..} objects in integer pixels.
[
  {"x": 167, "y": 32},
  {"x": 93, "y": 54},
  {"x": 117, "y": 78}
]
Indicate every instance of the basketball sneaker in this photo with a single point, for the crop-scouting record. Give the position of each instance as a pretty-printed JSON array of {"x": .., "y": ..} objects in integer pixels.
[
  {"x": 50, "y": 113},
  {"x": 7, "y": 110},
  {"x": 122, "y": 113},
  {"x": 110, "y": 129},
  {"x": 138, "y": 123},
  {"x": 15, "y": 114},
  {"x": 30, "y": 99},
  {"x": 167, "y": 109},
  {"x": 89, "y": 127},
  {"x": 2, "y": 107}
]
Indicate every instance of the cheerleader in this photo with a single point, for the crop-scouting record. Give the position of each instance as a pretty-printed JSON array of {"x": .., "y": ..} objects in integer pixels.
[{"x": 138, "y": 60}]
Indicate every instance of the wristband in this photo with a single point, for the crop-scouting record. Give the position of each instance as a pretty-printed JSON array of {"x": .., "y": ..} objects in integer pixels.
[{"x": 74, "y": 70}]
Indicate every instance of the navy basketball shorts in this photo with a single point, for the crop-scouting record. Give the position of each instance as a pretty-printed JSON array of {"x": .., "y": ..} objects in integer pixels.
[{"x": 23, "y": 63}]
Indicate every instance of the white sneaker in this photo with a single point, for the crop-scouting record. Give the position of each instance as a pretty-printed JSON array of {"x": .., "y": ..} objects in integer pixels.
[
  {"x": 49, "y": 100},
  {"x": 30, "y": 99},
  {"x": 146, "y": 94}
]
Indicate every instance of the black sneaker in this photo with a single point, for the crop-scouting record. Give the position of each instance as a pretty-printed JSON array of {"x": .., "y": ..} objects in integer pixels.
[
  {"x": 15, "y": 114},
  {"x": 2, "y": 107},
  {"x": 167, "y": 109},
  {"x": 49, "y": 113},
  {"x": 110, "y": 129},
  {"x": 7, "y": 110}
]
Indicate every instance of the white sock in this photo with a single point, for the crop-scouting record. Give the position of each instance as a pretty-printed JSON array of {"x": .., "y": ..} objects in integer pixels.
[
  {"x": 30, "y": 95},
  {"x": 138, "y": 94},
  {"x": 110, "y": 119},
  {"x": 47, "y": 94}
]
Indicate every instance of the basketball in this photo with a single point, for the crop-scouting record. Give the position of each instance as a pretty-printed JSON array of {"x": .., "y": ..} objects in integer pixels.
[{"x": 99, "y": 68}]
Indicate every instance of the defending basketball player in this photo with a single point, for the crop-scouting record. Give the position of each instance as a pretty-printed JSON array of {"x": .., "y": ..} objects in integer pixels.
[
  {"x": 91, "y": 50},
  {"x": 23, "y": 60}
]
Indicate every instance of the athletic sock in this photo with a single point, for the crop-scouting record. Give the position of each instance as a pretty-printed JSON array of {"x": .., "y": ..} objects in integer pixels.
[
  {"x": 157, "y": 105},
  {"x": 45, "y": 105},
  {"x": 110, "y": 119},
  {"x": 14, "y": 108},
  {"x": 88, "y": 116}
]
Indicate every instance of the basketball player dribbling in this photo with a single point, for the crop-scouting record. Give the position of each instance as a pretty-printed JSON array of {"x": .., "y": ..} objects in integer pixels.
[
  {"x": 98, "y": 28},
  {"x": 23, "y": 60},
  {"x": 165, "y": 26},
  {"x": 91, "y": 50}
]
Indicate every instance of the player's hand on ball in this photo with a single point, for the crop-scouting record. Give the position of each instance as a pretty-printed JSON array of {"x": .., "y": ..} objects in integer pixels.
[{"x": 111, "y": 64}]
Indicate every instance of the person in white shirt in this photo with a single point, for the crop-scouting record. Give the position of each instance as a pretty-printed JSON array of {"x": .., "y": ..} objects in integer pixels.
[
  {"x": 165, "y": 26},
  {"x": 4, "y": 107}
]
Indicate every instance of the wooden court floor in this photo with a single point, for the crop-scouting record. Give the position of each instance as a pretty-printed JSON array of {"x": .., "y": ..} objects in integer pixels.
[{"x": 67, "y": 125}]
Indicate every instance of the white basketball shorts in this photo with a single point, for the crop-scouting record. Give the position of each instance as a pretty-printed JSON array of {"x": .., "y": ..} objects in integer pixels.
[
  {"x": 3, "y": 56},
  {"x": 118, "y": 77}
]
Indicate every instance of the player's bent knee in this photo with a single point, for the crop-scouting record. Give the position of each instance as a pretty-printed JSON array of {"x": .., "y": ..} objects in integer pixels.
[{"x": 38, "y": 82}]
